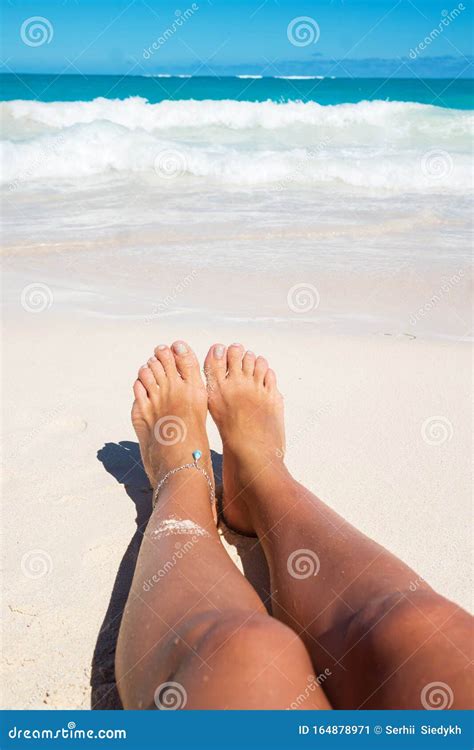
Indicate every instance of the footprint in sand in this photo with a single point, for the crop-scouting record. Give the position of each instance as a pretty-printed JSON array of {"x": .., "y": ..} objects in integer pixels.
[{"x": 410, "y": 336}]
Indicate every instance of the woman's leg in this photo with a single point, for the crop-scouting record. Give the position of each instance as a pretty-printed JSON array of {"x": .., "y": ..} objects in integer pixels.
[
  {"x": 350, "y": 600},
  {"x": 194, "y": 633}
]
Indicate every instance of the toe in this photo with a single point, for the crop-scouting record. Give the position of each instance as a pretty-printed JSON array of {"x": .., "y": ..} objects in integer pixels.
[
  {"x": 234, "y": 359},
  {"x": 158, "y": 370},
  {"x": 215, "y": 365},
  {"x": 186, "y": 361},
  {"x": 147, "y": 379},
  {"x": 248, "y": 363},
  {"x": 261, "y": 367},
  {"x": 270, "y": 380},
  {"x": 142, "y": 410},
  {"x": 140, "y": 394},
  {"x": 164, "y": 355}
]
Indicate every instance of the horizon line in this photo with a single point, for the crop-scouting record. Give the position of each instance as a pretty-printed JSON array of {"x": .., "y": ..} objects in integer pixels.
[{"x": 250, "y": 76}]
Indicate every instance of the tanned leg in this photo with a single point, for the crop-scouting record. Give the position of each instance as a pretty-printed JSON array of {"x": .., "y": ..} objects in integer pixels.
[{"x": 351, "y": 601}]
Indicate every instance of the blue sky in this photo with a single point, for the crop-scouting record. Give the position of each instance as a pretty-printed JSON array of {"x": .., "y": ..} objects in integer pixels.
[{"x": 249, "y": 36}]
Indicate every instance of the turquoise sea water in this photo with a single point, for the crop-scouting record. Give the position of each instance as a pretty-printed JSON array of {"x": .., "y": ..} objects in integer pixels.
[{"x": 455, "y": 94}]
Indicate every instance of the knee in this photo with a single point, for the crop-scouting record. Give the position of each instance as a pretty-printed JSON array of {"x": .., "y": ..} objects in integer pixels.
[
  {"x": 388, "y": 618},
  {"x": 258, "y": 640}
]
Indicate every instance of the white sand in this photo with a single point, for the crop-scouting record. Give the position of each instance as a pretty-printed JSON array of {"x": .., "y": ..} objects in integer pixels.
[{"x": 355, "y": 413}]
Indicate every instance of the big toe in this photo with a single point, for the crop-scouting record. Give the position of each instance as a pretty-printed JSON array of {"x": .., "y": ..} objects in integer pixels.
[
  {"x": 215, "y": 365},
  {"x": 186, "y": 361}
]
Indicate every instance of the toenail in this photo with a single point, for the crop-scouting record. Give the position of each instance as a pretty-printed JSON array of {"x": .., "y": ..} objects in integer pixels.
[
  {"x": 180, "y": 348},
  {"x": 236, "y": 344},
  {"x": 251, "y": 354},
  {"x": 162, "y": 346},
  {"x": 219, "y": 351},
  {"x": 144, "y": 367},
  {"x": 153, "y": 359}
]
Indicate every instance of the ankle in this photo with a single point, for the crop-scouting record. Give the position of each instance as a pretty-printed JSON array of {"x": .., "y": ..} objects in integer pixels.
[{"x": 187, "y": 476}]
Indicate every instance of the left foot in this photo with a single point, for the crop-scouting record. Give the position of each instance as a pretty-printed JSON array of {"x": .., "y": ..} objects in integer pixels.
[
  {"x": 248, "y": 410},
  {"x": 169, "y": 411}
]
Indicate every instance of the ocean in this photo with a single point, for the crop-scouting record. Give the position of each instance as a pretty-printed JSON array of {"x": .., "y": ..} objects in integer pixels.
[
  {"x": 317, "y": 179},
  {"x": 455, "y": 94}
]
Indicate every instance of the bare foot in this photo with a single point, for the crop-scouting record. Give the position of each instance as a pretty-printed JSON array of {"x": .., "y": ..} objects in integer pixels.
[
  {"x": 169, "y": 411},
  {"x": 248, "y": 409}
]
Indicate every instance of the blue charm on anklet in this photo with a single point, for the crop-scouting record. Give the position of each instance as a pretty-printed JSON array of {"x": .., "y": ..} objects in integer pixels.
[{"x": 197, "y": 455}]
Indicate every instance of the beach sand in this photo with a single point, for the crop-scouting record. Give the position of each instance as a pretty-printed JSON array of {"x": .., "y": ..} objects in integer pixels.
[{"x": 378, "y": 426}]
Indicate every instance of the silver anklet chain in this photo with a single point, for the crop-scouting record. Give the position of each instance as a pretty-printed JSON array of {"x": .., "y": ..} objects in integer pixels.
[{"x": 194, "y": 465}]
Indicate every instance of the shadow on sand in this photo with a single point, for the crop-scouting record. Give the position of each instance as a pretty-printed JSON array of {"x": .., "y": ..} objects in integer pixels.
[{"x": 122, "y": 460}]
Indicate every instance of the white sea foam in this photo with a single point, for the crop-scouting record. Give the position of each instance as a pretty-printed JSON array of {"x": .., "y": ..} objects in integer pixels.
[
  {"x": 301, "y": 78},
  {"x": 377, "y": 145}
]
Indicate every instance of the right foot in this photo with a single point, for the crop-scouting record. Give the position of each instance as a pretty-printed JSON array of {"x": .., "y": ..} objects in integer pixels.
[
  {"x": 169, "y": 411},
  {"x": 248, "y": 410}
]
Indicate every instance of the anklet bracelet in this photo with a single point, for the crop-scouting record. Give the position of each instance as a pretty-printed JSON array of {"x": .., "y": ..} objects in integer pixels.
[{"x": 194, "y": 465}]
